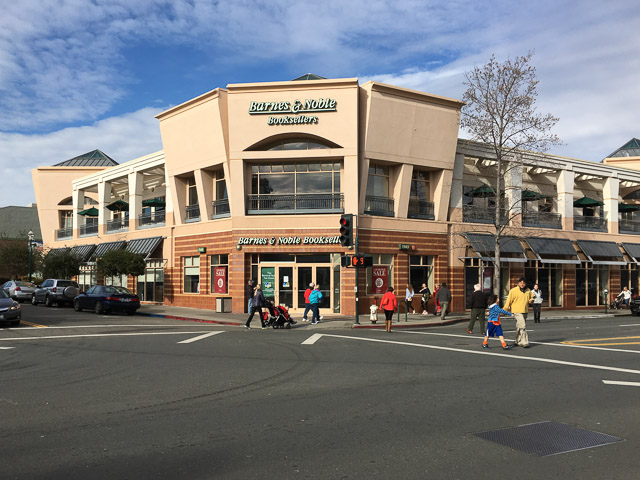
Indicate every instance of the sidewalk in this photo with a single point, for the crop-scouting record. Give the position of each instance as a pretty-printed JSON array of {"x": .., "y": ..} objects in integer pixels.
[{"x": 343, "y": 321}]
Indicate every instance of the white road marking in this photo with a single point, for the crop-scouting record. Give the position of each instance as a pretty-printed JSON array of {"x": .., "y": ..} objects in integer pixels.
[
  {"x": 195, "y": 339},
  {"x": 628, "y": 384},
  {"x": 312, "y": 339},
  {"x": 107, "y": 326},
  {"x": 50, "y": 337},
  {"x": 631, "y": 325},
  {"x": 484, "y": 352},
  {"x": 532, "y": 343},
  {"x": 6, "y": 348}
]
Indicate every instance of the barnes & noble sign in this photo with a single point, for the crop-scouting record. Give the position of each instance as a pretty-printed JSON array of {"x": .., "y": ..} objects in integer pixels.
[{"x": 297, "y": 108}]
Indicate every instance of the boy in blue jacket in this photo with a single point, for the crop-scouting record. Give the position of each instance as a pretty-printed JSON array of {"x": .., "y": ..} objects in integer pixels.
[{"x": 494, "y": 328}]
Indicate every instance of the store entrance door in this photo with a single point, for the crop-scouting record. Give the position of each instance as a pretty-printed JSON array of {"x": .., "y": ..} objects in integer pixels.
[
  {"x": 286, "y": 284},
  {"x": 277, "y": 284}
]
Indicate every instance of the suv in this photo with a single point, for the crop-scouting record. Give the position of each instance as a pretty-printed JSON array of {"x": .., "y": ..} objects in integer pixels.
[
  {"x": 634, "y": 302},
  {"x": 56, "y": 291}
]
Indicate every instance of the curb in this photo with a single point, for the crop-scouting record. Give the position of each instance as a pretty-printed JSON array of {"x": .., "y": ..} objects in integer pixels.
[
  {"x": 401, "y": 324},
  {"x": 187, "y": 319}
]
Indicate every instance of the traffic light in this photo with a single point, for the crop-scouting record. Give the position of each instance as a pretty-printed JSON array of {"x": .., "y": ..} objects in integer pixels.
[{"x": 346, "y": 230}]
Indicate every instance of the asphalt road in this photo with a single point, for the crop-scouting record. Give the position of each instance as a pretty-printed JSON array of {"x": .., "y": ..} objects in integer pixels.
[{"x": 117, "y": 397}]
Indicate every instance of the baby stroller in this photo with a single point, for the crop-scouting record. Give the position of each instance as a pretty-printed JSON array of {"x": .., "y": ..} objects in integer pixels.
[
  {"x": 617, "y": 303},
  {"x": 277, "y": 316}
]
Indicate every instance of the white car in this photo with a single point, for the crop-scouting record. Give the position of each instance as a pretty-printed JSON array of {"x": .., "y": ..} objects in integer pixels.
[{"x": 18, "y": 290}]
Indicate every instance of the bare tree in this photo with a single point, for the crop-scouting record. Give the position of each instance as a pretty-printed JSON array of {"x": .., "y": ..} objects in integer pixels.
[{"x": 500, "y": 112}]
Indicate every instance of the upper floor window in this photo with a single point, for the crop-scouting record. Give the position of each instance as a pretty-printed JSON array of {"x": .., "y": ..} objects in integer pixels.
[
  {"x": 66, "y": 219},
  {"x": 192, "y": 192},
  {"x": 295, "y": 178},
  {"x": 419, "y": 186},
  {"x": 220, "y": 186},
  {"x": 378, "y": 182}
]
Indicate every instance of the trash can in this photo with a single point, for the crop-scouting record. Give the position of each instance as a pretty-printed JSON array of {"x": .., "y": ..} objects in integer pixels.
[{"x": 223, "y": 305}]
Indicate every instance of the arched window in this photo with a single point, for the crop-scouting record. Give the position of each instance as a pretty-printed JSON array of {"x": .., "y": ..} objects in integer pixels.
[{"x": 293, "y": 143}]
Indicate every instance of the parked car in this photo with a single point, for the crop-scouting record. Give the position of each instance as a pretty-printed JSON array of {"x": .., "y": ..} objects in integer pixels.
[
  {"x": 105, "y": 299},
  {"x": 10, "y": 310},
  {"x": 634, "y": 302},
  {"x": 55, "y": 290},
  {"x": 19, "y": 291}
]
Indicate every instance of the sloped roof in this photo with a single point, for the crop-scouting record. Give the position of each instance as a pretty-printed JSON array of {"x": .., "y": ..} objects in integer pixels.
[
  {"x": 95, "y": 158},
  {"x": 629, "y": 149},
  {"x": 15, "y": 222},
  {"x": 309, "y": 76}
]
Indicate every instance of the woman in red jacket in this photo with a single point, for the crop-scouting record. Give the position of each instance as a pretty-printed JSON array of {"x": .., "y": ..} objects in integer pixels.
[{"x": 389, "y": 304}]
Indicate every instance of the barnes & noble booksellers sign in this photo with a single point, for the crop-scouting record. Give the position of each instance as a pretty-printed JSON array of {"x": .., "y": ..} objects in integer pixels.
[{"x": 297, "y": 108}]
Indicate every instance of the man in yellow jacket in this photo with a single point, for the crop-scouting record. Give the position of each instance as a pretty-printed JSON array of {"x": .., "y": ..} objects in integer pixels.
[{"x": 518, "y": 303}]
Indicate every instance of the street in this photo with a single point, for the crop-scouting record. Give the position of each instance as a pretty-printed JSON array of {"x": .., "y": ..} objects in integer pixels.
[{"x": 114, "y": 397}]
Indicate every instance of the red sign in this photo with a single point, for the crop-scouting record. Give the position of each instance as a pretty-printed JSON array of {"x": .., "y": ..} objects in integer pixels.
[
  {"x": 220, "y": 279},
  {"x": 379, "y": 279}
]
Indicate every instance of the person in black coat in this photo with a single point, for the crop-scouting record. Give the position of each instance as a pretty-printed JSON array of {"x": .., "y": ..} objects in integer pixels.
[
  {"x": 256, "y": 306},
  {"x": 477, "y": 301},
  {"x": 250, "y": 292}
]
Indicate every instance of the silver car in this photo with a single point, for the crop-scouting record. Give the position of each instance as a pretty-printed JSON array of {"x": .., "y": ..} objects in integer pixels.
[
  {"x": 10, "y": 310},
  {"x": 18, "y": 290}
]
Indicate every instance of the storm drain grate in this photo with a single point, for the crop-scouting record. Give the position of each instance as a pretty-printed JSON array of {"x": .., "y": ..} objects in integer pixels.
[{"x": 548, "y": 438}]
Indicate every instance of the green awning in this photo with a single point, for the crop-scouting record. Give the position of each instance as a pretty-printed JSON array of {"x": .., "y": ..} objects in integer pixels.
[
  {"x": 531, "y": 195},
  {"x": 482, "y": 191},
  {"x": 89, "y": 212},
  {"x": 625, "y": 207},
  {"x": 154, "y": 202},
  {"x": 118, "y": 206},
  {"x": 587, "y": 202}
]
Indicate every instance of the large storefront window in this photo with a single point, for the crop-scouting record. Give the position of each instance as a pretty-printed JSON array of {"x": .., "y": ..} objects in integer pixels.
[
  {"x": 219, "y": 273},
  {"x": 420, "y": 271},
  {"x": 477, "y": 271},
  {"x": 591, "y": 281},
  {"x": 116, "y": 280},
  {"x": 150, "y": 286},
  {"x": 295, "y": 178},
  {"x": 549, "y": 279},
  {"x": 87, "y": 277},
  {"x": 629, "y": 277},
  {"x": 191, "y": 267}
]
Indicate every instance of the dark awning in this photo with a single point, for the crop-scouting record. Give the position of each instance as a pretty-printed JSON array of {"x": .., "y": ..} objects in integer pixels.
[
  {"x": 587, "y": 202},
  {"x": 83, "y": 252},
  {"x": 144, "y": 246},
  {"x": 553, "y": 250},
  {"x": 633, "y": 250},
  {"x": 107, "y": 247},
  {"x": 484, "y": 243},
  {"x": 57, "y": 251},
  {"x": 602, "y": 253}
]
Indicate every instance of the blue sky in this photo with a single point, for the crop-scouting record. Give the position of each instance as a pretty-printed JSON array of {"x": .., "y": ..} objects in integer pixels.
[{"x": 76, "y": 75}]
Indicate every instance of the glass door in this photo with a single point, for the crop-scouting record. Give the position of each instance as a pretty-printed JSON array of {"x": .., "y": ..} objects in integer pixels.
[
  {"x": 284, "y": 291},
  {"x": 305, "y": 277}
]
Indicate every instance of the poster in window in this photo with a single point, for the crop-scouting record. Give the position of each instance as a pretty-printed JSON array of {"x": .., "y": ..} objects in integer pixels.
[
  {"x": 220, "y": 279},
  {"x": 379, "y": 279}
]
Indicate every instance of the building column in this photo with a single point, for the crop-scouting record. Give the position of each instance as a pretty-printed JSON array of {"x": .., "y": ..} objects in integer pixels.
[
  {"x": 204, "y": 187},
  {"x": 513, "y": 191},
  {"x": 610, "y": 194},
  {"x": 363, "y": 176},
  {"x": 104, "y": 198},
  {"x": 78, "y": 205},
  {"x": 566, "y": 180},
  {"x": 135, "y": 181},
  {"x": 236, "y": 186},
  {"x": 402, "y": 190},
  {"x": 168, "y": 201},
  {"x": 347, "y": 179}
]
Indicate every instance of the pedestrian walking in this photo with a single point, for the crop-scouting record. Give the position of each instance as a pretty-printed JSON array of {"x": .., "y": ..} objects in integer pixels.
[
  {"x": 315, "y": 297},
  {"x": 256, "y": 306},
  {"x": 307, "y": 304},
  {"x": 425, "y": 293},
  {"x": 477, "y": 301},
  {"x": 518, "y": 303},
  {"x": 436, "y": 303},
  {"x": 537, "y": 303},
  {"x": 494, "y": 327},
  {"x": 408, "y": 298},
  {"x": 250, "y": 292},
  {"x": 443, "y": 298},
  {"x": 389, "y": 304}
]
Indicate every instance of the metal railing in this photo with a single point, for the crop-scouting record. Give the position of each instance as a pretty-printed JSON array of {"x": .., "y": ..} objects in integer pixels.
[
  {"x": 482, "y": 214},
  {"x": 421, "y": 209},
  {"x": 117, "y": 225},
  {"x": 295, "y": 203},
  {"x": 593, "y": 224},
  {"x": 381, "y": 206},
  {"x": 192, "y": 212},
  {"x": 64, "y": 233},
  {"x": 629, "y": 226},
  {"x": 151, "y": 219},
  {"x": 541, "y": 219},
  {"x": 220, "y": 208},
  {"x": 89, "y": 229}
]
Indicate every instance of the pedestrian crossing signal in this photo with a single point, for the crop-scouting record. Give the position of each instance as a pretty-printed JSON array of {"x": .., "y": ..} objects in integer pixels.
[{"x": 357, "y": 261}]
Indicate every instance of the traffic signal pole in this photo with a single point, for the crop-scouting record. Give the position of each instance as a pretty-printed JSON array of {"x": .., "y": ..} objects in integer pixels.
[{"x": 357, "y": 321}]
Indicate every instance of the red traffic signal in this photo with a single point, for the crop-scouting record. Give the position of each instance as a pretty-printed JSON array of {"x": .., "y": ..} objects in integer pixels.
[{"x": 346, "y": 230}]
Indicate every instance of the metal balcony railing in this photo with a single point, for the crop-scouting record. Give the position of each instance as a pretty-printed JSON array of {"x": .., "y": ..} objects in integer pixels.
[
  {"x": 88, "y": 229},
  {"x": 482, "y": 214},
  {"x": 421, "y": 209},
  {"x": 117, "y": 225},
  {"x": 381, "y": 206},
  {"x": 541, "y": 219},
  {"x": 220, "y": 208},
  {"x": 192, "y": 213},
  {"x": 295, "y": 203},
  {"x": 629, "y": 226},
  {"x": 64, "y": 233},
  {"x": 593, "y": 224},
  {"x": 155, "y": 219}
]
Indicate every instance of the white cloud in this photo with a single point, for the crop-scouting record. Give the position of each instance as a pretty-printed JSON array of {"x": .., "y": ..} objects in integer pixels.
[{"x": 122, "y": 138}]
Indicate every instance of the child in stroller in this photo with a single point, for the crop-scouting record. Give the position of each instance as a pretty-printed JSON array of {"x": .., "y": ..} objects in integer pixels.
[{"x": 277, "y": 316}]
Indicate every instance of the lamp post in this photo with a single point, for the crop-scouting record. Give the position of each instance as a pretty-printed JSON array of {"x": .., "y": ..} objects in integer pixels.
[{"x": 31, "y": 237}]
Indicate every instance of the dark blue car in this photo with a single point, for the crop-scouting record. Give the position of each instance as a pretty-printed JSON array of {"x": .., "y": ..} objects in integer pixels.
[{"x": 106, "y": 299}]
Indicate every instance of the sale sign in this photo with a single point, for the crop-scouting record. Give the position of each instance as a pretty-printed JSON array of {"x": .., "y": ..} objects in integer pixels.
[
  {"x": 379, "y": 279},
  {"x": 220, "y": 279}
]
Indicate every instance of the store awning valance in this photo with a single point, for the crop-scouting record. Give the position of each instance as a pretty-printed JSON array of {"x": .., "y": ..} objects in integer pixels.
[
  {"x": 602, "y": 253},
  {"x": 144, "y": 246},
  {"x": 107, "y": 247},
  {"x": 484, "y": 246},
  {"x": 587, "y": 202},
  {"x": 553, "y": 250},
  {"x": 633, "y": 250},
  {"x": 83, "y": 252}
]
